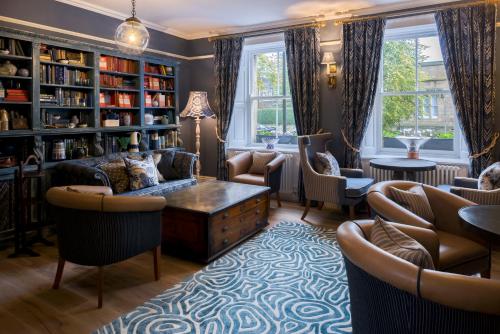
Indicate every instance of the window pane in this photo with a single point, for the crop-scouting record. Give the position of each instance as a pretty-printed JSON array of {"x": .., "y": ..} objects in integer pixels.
[
  {"x": 431, "y": 71},
  {"x": 272, "y": 120},
  {"x": 398, "y": 117},
  {"x": 437, "y": 120},
  {"x": 399, "y": 66},
  {"x": 269, "y": 74}
]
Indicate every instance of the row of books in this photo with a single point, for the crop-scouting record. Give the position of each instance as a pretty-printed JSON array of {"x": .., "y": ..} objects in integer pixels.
[
  {"x": 158, "y": 69},
  {"x": 50, "y": 74},
  {"x": 66, "y": 98},
  {"x": 157, "y": 83},
  {"x": 116, "y": 99},
  {"x": 53, "y": 54},
  {"x": 14, "y": 46},
  {"x": 113, "y": 81},
  {"x": 107, "y": 63},
  {"x": 17, "y": 95},
  {"x": 158, "y": 100}
]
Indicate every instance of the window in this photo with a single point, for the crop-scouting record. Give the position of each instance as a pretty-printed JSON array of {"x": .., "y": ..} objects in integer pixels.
[
  {"x": 263, "y": 107},
  {"x": 413, "y": 96}
]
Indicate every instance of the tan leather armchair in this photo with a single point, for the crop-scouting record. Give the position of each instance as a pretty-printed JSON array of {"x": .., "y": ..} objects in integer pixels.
[
  {"x": 460, "y": 250},
  {"x": 391, "y": 295},
  {"x": 95, "y": 228},
  {"x": 239, "y": 166}
]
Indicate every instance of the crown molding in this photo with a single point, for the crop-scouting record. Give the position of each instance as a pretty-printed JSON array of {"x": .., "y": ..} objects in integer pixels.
[{"x": 94, "y": 38}]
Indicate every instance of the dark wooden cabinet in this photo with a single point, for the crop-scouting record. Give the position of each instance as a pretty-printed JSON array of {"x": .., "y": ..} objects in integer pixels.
[{"x": 218, "y": 216}]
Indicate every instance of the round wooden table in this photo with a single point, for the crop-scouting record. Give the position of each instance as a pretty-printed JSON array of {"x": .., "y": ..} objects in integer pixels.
[
  {"x": 402, "y": 166},
  {"x": 484, "y": 219}
]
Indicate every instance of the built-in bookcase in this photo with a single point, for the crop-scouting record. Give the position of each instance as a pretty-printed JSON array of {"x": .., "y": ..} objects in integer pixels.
[{"x": 71, "y": 92}]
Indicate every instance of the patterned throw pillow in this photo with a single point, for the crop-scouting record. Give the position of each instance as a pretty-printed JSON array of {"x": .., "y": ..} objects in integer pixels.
[
  {"x": 156, "y": 159},
  {"x": 397, "y": 243},
  {"x": 117, "y": 174},
  {"x": 260, "y": 160},
  {"x": 325, "y": 163},
  {"x": 414, "y": 200},
  {"x": 142, "y": 173},
  {"x": 490, "y": 177},
  {"x": 166, "y": 165}
]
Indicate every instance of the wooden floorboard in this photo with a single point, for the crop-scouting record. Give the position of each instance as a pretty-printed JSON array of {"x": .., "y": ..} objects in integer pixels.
[{"x": 29, "y": 305}]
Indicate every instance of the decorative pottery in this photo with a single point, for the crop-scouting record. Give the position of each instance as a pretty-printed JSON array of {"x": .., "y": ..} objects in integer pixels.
[
  {"x": 8, "y": 68},
  {"x": 270, "y": 142},
  {"x": 59, "y": 151},
  {"x": 75, "y": 120},
  {"x": 164, "y": 119},
  {"x": 413, "y": 144},
  {"x": 4, "y": 120},
  {"x": 127, "y": 119},
  {"x": 135, "y": 138},
  {"x": 156, "y": 103},
  {"x": 79, "y": 152},
  {"x": 23, "y": 72},
  {"x": 148, "y": 119}
]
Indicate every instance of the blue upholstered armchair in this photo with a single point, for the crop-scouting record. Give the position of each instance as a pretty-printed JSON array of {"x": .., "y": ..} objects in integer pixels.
[{"x": 348, "y": 189}]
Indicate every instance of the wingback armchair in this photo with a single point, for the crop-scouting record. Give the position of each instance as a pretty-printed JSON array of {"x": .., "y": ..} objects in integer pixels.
[
  {"x": 239, "y": 166},
  {"x": 95, "y": 228},
  {"x": 390, "y": 295},
  {"x": 460, "y": 250},
  {"x": 349, "y": 189}
]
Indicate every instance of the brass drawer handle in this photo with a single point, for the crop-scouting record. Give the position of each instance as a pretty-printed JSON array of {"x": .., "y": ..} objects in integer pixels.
[
  {"x": 258, "y": 200},
  {"x": 225, "y": 242},
  {"x": 226, "y": 214},
  {"x": 225, "y": 228},
  {"x": 257, "y": 211}
]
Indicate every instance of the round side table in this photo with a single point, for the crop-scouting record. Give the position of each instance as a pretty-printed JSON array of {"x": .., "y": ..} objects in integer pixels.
[{"x": 402, "y": 166}]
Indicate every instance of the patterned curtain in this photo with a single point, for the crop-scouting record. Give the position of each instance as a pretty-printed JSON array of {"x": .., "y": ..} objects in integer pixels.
[
  {"x": 304, "y": 65},
  {"x": 226, "y": 67},
  {"x": 362, "y": 52},
  {"x": 467, "y": 38}
]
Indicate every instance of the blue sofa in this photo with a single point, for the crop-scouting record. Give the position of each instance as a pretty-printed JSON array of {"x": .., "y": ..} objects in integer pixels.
[{"x": 86, "y": 172}]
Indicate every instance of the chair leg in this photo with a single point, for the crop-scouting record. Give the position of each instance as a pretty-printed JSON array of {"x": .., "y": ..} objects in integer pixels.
[
  {"x": 156, "y": 256},
  {"x": 99, "y": 287},
  {"x": 59, "y": 272},
  {"x": 278, "y": 199},
  {"x": 306, "y": 210},
  {"x": 320, "y": 205},
  {"x": 352, "y": 212}
]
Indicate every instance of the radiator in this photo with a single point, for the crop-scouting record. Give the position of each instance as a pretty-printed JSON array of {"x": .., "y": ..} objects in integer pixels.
[{"x": 443, "y": 174}]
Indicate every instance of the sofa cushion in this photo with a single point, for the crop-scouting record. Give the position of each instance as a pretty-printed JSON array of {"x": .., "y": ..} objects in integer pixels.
[
  {"x": 414, "y": 200},
  {"x": 397, "y": 243},
  {"x": 255, "y": 179},
  {"x": 260, "y": 160},
  {"x": 455, "y": 250},
  {"x": 325, "y": 163},
  {"x": 166, "y": 165},
  {"x": 116, "y": 170},
  {"x": 357, "y": 187},
  {"x": 163, "y": 188},
  {"x": 490, "y": 177},
  {"x": 142, "y": 173}
]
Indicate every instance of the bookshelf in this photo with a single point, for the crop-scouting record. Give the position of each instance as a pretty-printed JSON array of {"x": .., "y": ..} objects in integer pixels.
[{"x": 68, "y": 88}]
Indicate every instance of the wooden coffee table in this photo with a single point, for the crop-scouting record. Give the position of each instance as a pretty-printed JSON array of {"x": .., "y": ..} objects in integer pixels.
[{"x": 205, "y": 221}]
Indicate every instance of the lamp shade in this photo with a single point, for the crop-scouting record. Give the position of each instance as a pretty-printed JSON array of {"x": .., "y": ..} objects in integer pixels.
[
  {"x": 197, "y": 106},
  {"x": 328, "y": 58}
]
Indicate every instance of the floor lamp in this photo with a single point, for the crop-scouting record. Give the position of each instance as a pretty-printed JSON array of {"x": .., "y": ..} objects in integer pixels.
[{"x": 197, "y": 107}]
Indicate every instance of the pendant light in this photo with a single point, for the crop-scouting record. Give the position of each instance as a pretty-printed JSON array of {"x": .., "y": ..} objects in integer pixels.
[{"x": 131, "y": 36}]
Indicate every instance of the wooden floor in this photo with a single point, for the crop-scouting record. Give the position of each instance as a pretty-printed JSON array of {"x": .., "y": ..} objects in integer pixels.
[{"x": 29, "y": 305}]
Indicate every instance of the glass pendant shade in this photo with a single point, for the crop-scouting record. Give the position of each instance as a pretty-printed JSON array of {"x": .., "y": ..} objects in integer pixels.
[{"x": 131, "y": 36}]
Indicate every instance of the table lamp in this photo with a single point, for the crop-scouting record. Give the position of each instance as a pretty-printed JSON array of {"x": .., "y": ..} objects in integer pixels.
[{"x": 197, "y": 107}]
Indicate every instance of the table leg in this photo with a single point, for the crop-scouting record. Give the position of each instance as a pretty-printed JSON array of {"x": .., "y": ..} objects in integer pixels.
[{"x": 411, "y": 176}]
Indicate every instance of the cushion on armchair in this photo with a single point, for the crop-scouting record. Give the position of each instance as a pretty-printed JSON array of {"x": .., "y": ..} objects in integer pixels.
[
  {"x": 357, "y": 187},
  {"x": 260, "y": 160},
  {"x": 397, "y": 243},
  {"x": 325, "y": 163},
  {"x": 414, "y": 200},
  {"x": 490, "y": 177}
]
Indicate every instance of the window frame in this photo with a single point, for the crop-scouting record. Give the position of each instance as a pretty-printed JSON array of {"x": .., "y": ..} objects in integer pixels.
[
  {"x": 373, "y": 141},
  {"x": 248, "y": 80}
]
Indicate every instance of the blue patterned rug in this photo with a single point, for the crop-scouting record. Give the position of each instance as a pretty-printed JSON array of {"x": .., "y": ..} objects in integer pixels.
[{"x": 289, "y": 279}]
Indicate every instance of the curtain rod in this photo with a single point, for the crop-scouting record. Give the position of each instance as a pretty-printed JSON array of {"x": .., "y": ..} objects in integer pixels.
[
  {"x": 401, "y": 13},
  {"x": 268, "y": 31}
]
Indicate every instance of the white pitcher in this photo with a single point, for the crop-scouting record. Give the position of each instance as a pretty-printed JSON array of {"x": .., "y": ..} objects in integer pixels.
[{"x": 135, "y": 139}]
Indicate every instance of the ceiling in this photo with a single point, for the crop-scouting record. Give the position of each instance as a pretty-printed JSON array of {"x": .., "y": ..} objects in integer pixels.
[{"x": 192, "y": 19}]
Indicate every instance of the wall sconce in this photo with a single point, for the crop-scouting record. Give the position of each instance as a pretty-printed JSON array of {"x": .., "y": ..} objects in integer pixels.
[{"x": 331, "y": 68}]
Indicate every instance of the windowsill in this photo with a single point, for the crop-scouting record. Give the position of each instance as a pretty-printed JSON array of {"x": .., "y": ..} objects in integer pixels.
[
  {"x": 284, "y": 149},
  {"x": 442, "y": 160}
]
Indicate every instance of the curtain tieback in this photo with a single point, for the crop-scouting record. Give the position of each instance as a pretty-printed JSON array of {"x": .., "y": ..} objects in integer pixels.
[
  {"x": 488, "y": 148},
  {"x": 218, "y": 137},
  {"x": 357, "y": 150}
]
